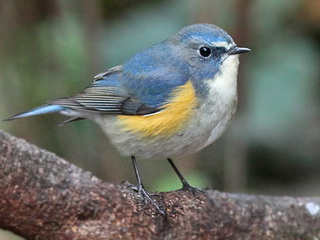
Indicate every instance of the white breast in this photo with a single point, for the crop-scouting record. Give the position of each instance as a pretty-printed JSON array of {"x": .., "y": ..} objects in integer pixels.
[{"x": 223, "y": 97}]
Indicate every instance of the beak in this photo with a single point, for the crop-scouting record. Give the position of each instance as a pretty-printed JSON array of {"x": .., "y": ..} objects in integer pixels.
[{"x": 238, "y": 50}]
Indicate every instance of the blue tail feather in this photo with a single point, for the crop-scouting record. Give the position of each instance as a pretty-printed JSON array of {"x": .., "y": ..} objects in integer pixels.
[{"x": 37, "y": 111}]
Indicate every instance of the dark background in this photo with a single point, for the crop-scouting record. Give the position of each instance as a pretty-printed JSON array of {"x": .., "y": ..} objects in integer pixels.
[{"x": 53, "y": 48}]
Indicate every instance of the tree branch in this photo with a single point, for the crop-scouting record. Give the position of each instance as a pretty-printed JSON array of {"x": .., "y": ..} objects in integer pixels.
[{"x": 45, "y": 197}]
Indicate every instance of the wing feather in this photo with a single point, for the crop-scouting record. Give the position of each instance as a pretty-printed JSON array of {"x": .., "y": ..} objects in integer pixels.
[
  {"x": 141, "y": 86},
  {"x": 105, "y": 96}
]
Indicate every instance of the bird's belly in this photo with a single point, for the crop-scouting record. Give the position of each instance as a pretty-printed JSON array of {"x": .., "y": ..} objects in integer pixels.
[{"x": 207, "y": 124}]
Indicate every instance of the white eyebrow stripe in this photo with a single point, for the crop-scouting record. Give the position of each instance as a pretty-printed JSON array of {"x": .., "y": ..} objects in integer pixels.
[{"x": 222, "y": 44}]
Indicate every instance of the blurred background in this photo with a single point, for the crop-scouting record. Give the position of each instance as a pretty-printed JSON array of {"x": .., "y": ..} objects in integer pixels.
[{"x": 53, "y": 48}]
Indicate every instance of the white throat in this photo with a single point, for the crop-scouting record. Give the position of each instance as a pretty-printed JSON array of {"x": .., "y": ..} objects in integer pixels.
[
  {"x": 225, "y": 81},
  {"x": 222, "y": 97}
]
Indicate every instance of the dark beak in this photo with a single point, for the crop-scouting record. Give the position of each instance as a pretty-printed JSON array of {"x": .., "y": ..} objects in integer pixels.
[{"x": 238, "y": 50}]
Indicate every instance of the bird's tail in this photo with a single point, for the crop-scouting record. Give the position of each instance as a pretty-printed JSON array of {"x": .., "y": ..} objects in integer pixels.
[{"x": 37, "y": 111}]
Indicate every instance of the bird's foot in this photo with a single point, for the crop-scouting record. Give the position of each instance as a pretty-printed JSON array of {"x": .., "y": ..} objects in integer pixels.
[
  {"x": 185, "y": 185},
  {"x": 147, "y": 197},
  {"x": 142, "y": 192},
  {"x": 195, "y": 191}
]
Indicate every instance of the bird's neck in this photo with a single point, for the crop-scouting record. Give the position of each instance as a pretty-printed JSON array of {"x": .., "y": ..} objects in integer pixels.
[{"x": 225, "y": 81}]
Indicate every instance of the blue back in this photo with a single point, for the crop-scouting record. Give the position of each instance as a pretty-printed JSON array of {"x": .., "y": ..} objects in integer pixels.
[{"x": 152, "y": 74}]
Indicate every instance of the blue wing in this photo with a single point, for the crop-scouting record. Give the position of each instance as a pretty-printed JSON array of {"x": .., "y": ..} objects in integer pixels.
[
  {"x": 103, "y": 95},
  {"x": 152, "y": 74},
  {"x": 141, "y": 86}
]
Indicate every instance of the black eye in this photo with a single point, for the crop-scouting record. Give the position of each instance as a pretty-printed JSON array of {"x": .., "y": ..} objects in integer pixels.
[{"x": 205, "y": 52}]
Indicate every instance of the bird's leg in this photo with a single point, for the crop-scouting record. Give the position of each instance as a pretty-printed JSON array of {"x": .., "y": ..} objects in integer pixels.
[
  {"x": 146, "y": 196},
  {"x": 185, "y": 184}
]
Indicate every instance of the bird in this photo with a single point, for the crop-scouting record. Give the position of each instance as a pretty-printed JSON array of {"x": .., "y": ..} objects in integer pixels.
[{"x": 169, "y": 100}]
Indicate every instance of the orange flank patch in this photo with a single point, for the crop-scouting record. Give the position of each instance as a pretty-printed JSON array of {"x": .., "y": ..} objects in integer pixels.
[{"x": 168, "y": 121}]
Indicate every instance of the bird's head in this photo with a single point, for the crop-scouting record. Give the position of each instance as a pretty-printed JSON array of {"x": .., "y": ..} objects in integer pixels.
[{"x": 205, "y": 47}]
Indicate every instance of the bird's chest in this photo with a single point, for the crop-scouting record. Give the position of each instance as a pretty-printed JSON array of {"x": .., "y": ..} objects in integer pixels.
[
  {"x": 212, "y": 117},
  {"x": 217, "y": 107}
]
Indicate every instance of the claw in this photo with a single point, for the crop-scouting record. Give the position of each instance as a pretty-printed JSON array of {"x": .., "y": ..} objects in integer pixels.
[{"x": 141, "y": 190}]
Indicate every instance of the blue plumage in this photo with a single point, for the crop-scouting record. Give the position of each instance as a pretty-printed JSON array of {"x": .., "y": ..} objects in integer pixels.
[
  {"x": 144, "y": 84},
  {"x": 149, "y": 76},
  {"x": 38, "y": 111},
  {"x": 171, "y": 99},
  {"x": 205, "y": 33}
]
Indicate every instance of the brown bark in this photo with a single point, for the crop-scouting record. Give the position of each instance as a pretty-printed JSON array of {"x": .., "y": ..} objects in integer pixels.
[{"x": 44, "y": 197}]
